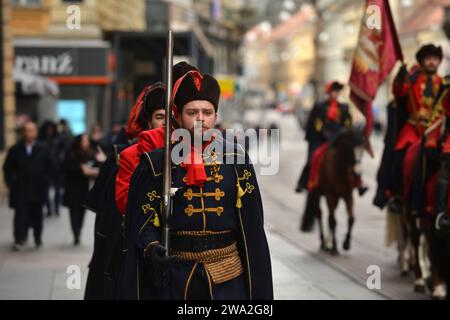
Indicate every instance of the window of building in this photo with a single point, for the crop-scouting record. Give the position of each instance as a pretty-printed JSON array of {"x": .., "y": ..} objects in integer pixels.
[
  {"x": 157, "y": 15},
  {"x": 74, "y": 111},
  {"x": 27, "y": 3}
]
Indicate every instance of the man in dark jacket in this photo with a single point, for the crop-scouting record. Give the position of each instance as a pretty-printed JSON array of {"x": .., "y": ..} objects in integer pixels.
[{"x": 27, "y": 171}]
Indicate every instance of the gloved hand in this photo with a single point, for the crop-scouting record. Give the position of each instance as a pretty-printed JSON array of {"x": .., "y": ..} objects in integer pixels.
[
  {"x": 156, "y": 254},
  {"x": 159, "y": 263},
  {"x": 401, "y": 74}
]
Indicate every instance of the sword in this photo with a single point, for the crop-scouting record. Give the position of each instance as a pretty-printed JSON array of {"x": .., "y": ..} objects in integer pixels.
[{"x": 167, "y": 178}]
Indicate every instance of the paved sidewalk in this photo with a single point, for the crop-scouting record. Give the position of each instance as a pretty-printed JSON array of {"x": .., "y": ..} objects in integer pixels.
[{"x": 41, "y": 274}]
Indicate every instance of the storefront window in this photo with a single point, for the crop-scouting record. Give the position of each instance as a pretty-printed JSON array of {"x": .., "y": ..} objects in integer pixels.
[{"x": 74, "y": 111}]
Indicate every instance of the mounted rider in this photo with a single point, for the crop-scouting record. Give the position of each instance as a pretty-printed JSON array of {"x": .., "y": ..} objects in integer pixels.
[
  {"x": 416, "y": 92},
  {"x": 326, "y": 120}
]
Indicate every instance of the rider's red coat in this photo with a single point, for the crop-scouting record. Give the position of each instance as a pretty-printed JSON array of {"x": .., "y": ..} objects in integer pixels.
[{"x": 419, "y": 109}]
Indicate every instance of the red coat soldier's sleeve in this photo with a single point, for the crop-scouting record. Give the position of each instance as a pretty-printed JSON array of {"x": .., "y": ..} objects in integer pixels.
[{"x": 129, "y": 160}]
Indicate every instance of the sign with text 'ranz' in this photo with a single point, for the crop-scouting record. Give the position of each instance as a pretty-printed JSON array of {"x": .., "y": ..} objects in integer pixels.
[{"x": 60, "y": 61}]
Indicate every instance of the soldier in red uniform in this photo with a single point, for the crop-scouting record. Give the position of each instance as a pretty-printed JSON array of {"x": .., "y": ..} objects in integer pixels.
[{"x": 419, "y": 88}]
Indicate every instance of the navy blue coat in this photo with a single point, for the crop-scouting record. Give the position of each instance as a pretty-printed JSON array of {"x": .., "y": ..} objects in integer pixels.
[{"x": 247, "y": 222}]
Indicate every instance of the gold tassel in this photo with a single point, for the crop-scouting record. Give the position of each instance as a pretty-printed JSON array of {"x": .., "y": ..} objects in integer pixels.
[
  {"x": 240, "y": 194},
  {"x": 156, "y": 220}
]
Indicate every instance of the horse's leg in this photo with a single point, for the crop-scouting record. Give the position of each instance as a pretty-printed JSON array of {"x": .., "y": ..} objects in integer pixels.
[
  {"x": 409, "y": 246},
  {"x": 351, "y": 220},
  {"x": 437, "y": 284},
  {"x": 332, "y": 202},
  {"x": 402, "y": 244},
  {"x": 323, "y": 245},
  {"x": 419, "y": 283}
]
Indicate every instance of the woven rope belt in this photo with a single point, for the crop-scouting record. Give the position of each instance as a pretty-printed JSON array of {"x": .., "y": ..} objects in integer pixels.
[{"x": 222, "y": 264}]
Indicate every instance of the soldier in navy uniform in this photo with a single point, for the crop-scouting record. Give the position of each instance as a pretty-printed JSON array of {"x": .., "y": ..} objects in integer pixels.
[
  {"x": 327, "y": 118},
  {"x": 107, "y": 257},
  {"x": 218, "y": 245}
]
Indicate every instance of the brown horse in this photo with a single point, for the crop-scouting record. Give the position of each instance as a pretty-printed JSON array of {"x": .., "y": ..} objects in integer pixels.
[
  {"x": 336, "y": 181},
  {"x": 420, "y": 225}
]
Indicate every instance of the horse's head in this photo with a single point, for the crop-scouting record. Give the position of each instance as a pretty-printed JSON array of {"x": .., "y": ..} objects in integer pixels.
[
  {"x": 350, "y": 142},
  {"x": 343, "y": 137}
]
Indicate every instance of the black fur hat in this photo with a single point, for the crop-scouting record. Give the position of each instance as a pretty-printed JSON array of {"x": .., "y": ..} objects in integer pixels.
[
  {"x": 333, "y": 86},
  {"x": 194, "y": 86},
  {"x": 429, "y": 50},
  {"x": 180, "y": 69},
  {"x": 153, "y": 100}
]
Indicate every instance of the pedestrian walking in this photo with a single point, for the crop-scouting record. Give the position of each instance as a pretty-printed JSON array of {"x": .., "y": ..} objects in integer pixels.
[
  {"x": 49, "y": 135},
  {"x": 28, "y": 169},
  {"x": 81, "y": 164}
]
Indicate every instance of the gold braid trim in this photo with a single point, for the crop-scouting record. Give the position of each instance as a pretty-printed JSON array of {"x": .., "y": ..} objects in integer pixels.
[
  {"x": 242, "y": 192},
  {"x": 200, "y": 233},
  {"x": 222, "y": 264},
  {"x": 437, "y": 111}
]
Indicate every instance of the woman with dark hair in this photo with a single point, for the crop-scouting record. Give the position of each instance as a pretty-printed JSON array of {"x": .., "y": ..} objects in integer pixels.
[
  {"x": 80, "y": 166},
  {"x": 48, "y": 134}
]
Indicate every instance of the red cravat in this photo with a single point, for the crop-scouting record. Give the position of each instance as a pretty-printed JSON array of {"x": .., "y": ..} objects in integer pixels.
[
  {"x": 333, "y": 111},
  {"x": 195, "y": 170}
]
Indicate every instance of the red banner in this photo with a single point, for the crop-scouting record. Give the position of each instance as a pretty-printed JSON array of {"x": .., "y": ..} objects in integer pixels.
[{"x": 377, "y": 52}]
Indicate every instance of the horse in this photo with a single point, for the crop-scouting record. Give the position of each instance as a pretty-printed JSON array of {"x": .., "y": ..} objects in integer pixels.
[
  {"x": 336, "y": 180},
  {"x": 419, "y": 223}
]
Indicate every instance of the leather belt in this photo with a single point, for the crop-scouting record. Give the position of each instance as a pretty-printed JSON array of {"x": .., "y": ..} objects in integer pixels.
[{"x": 199, "y": 241}]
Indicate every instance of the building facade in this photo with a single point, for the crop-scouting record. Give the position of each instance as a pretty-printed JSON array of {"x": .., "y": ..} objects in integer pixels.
[
  {"x": 7, "y": 101},
  {"x": 60, "y": 43}
]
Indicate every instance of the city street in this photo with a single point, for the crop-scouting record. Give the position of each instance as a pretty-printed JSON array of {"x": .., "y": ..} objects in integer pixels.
[
  {"x": 299, "y": 270},
  {"x": 284, "y": 208}
]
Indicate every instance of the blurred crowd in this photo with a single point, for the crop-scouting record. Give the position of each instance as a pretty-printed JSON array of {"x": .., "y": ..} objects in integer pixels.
[{"x": 48, "y": 168}]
